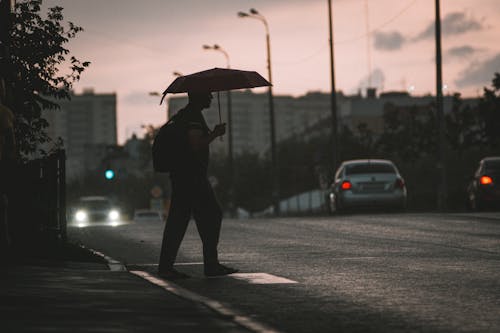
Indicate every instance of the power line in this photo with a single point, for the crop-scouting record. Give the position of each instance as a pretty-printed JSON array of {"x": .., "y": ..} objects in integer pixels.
[
  {"x": 367, "y": 34},
  {"x": 389, "y": 21}
]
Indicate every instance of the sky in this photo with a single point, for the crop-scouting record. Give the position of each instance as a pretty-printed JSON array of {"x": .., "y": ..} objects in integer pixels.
[{"x": 135, "y": 46}]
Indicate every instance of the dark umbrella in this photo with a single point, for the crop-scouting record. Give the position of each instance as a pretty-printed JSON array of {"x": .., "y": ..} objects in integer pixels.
[{"x": 216, "y": 79}]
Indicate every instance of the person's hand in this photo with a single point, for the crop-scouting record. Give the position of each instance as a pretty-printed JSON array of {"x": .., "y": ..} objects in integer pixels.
[{"x": 219, "y": 129}]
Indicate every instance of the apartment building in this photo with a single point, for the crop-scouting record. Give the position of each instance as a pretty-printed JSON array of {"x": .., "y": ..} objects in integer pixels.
[
  {"x": 83, "y": 123},
  {"x": 297, "y": 116}
]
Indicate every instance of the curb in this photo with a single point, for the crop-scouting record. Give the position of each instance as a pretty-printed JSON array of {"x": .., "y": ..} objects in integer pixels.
[{"x": 222, "y": 310}]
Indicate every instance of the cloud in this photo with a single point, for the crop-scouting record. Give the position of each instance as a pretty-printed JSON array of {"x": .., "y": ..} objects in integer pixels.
[
  {"x": 389, "y": 41},
  {"x": 452, "y": 24},
  {"x": 465, "y": 51},
  {"x": 479, "y": 73}
]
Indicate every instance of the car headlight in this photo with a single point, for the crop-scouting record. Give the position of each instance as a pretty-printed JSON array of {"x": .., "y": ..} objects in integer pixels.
[
  {"x": 114, "y": 215},
  {"x": 81, "y": 216}
]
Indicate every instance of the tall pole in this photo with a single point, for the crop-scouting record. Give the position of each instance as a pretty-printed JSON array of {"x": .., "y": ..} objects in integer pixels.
[
  {"x": 274, "y": 160},
  {"x": 275, "y": 175},
  {"x": 333, "y": 95},
  {"x": 442, "y": 191},
  {"x": 230, "y": 162}
]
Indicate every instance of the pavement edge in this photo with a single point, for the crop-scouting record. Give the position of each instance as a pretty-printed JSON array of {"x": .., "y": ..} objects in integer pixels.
[{"x": 217, "y": 307}]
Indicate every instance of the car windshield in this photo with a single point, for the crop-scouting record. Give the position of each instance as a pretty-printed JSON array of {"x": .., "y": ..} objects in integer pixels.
[
  {"x": 369, "y": 168},
  {"x": 94, "y": 204},
  {"x": 492, "y": 166}
]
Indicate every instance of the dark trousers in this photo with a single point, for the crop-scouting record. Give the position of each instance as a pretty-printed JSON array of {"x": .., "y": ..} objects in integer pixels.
[{"x": 191, "y": 196}]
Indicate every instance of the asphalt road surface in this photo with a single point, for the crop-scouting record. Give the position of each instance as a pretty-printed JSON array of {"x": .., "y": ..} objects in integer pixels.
[{"x": 352, "y": 273}]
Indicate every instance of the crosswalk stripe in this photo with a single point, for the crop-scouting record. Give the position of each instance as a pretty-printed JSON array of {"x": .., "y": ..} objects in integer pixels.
[{"x": 261, "y": 278}]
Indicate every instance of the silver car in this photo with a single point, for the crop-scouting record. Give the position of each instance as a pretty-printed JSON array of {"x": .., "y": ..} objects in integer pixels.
[{"x": 367, "y": 183}]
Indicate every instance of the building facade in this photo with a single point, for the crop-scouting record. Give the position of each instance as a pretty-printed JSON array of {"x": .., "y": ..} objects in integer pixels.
[
  {"x": 296, "y": 116},
  {"x": 84, "y": 123}
]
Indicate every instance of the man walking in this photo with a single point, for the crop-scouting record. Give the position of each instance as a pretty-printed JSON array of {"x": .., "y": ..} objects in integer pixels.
[{"x": 192, "y": 194}]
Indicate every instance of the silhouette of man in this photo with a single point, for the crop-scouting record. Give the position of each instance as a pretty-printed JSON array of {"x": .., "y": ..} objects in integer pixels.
[{"x": 192, "y": 193}]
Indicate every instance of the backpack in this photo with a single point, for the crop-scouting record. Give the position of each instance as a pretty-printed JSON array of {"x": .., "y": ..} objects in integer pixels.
[{"x": 168, "y": 147}]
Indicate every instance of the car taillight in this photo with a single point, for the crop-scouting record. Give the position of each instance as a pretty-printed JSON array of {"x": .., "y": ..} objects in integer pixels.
[
  {"x": 346, "y": 185},
  {"x": 486, "y": 180},
  {"x": 399, "y": 183}
]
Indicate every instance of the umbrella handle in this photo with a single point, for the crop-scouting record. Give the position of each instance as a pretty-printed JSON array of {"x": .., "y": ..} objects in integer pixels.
[{"x": 220, "y": 118}]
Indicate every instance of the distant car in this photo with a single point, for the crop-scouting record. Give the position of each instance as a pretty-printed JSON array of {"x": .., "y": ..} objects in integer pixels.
[
  {"x": 483, "y": 190},
  {"x": 145, "y": 215},
  {"x": 95, "y": 209},
  {"x": 367, "y": 183}
]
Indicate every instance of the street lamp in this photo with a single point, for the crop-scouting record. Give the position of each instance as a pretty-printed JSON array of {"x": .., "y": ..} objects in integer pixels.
[
  {"x": 217, "y": 48},
  {"x": 253, "y": 13}
]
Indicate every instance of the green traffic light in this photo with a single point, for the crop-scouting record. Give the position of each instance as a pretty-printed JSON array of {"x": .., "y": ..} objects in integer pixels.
[{"x": 109, "y": 174}]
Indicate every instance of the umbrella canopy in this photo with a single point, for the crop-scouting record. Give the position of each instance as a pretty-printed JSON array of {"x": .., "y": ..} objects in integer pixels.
[{"x": 216, "y": 79}]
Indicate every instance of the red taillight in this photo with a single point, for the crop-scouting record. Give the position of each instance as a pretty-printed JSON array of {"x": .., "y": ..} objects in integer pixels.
[
  {"x": 399, "y": 183},
  {"x": 346, "y": 185},
  {"x": 486, "y": 180}
]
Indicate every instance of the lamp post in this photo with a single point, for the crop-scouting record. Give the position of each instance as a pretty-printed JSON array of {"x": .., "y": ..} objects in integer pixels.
[
  {"x": 217, "y": 48},
  {"x": 253, "y": 13}
]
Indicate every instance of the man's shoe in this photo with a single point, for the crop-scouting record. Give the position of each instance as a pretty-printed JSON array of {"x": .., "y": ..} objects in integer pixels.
[
  {"x": 219, "y": 270},
  {"x": 172, "y": 274}
]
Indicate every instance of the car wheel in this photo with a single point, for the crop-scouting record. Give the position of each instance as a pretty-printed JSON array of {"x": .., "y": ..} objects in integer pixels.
[
  {"x": 333, "y": 207},
  {"x": 474, "y": 204}
]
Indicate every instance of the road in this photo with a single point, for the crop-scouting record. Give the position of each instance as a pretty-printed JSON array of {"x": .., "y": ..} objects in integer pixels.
[{"x": 351, "y": 273}]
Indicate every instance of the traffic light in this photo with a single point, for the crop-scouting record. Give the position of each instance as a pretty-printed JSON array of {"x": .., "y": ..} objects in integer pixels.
[{"x": 109, "y": 174}]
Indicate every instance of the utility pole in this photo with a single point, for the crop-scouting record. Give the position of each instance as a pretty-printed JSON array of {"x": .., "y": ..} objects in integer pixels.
[
  {"x": 442, "y": 191},
  {"x": 333, "y": 95}
]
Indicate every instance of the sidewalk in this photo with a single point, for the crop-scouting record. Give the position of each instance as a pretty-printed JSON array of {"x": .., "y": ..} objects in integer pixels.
[{"x": 87, "y": 297}]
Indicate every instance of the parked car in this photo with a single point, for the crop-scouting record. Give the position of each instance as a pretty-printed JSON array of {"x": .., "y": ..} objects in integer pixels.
[
  {"x": 367, "y": 183},
  {"x": 92, "y": 209},
  {"x": 483, "y": 190},
  {"x": 146, "y": 215}
]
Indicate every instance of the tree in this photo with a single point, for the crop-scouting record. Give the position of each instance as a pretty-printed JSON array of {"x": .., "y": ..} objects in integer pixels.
[
  {"x": 489, "y": 110},
  {"x": 409, "y": 132},
  {"x": 36, "y": 78}
]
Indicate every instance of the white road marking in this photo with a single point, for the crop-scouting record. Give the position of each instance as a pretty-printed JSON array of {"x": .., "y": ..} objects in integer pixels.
[
  {"x": 183, "y": 263},
  {"x": 214, "y": 305},
  {"x": 113, "y": 265},
  {"x": 176, "y": 264},
  {"x": 261, "y": 278}
]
